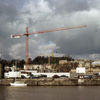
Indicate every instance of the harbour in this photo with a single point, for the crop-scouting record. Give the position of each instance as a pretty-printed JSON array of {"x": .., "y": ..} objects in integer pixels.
[
  {"x": 49, "y": 50},
  {"x": 53, "y": 82}
]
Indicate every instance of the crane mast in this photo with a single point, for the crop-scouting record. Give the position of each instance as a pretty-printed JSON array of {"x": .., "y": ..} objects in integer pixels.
[
  {"x": 27, "y": 49},
  {"x": 39, "y": 32}
]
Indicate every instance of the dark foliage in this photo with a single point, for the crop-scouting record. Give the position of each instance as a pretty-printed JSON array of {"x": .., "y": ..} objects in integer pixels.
[
  {"x": 37, "y": 60},
  {"x": 53, "y": 60}
]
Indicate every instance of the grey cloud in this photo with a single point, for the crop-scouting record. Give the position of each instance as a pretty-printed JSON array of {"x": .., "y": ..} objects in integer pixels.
[
  {"x": 8, "y": 11},
  {"x": 15, "y": 17},
  {"x": 68, "y": 6},
  {"x": 79, "y": 42}
]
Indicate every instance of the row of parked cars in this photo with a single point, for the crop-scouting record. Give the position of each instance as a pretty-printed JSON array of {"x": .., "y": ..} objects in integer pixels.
[
  {"x": 89, "y": 76},
  {"x": 31, "y": 76}
]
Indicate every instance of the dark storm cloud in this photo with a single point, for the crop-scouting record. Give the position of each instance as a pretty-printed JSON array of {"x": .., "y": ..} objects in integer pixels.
[
  {"x": 8, "y": 15},
  {"x": 77, "y": 42},
  {"x": 8, "y": 9},
  {"x": 15, "y": 15}
]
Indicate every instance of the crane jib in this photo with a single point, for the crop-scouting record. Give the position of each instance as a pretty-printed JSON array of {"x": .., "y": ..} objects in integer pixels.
[{"x": 39, "y": 32}]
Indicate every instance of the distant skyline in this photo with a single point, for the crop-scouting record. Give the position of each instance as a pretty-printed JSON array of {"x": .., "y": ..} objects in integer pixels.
[{"x": 16, "y": 15}]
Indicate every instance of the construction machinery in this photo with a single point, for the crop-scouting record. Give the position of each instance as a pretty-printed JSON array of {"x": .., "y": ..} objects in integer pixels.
[{"x": 26, "y": 34}]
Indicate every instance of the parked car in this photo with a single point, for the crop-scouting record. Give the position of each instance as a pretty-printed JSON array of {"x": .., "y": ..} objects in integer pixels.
[
  {"x": 43, "y": 76},
  {"x": 88, "y": 76},
  {"x": 23, "y": 77},
  {"x": 34, "y": 76},
  {"x": 64, "y": 76},
  {"x": 55, "y": 76},
  {"x": 96, "y": 75}
]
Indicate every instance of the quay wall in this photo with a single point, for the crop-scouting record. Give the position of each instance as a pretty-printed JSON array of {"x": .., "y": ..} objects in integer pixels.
[{"x": 53, "y": 82}]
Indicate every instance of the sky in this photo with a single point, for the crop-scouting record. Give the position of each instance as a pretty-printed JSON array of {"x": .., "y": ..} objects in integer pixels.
[{"x": 16, "y": 15}]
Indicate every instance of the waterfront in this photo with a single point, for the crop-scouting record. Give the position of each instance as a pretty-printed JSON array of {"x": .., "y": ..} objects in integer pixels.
[{"x": 50, "y": 93}]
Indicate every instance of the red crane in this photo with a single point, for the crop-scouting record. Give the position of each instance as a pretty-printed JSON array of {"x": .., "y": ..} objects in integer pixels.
[{"x": 39, "y": 32}]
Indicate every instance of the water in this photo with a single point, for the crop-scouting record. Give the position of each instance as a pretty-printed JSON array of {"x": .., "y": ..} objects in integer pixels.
[{"x": 50, "y": 93}]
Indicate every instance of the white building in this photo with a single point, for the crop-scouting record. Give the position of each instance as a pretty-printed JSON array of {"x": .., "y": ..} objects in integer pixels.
[
  {"x": 62, "y": 62},
  {"x": 96, "y": 63},
  {"x": 33, "y": 67},
  {"x": 12, "y": 75},
  {"x": 80, "y": 70}
]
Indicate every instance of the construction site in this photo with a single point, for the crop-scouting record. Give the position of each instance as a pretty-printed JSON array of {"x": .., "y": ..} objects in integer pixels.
[{"x": 50, "y": 70}]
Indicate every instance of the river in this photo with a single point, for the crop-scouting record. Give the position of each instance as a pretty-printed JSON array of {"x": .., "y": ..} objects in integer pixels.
[{"x": 50, "y": 93}]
